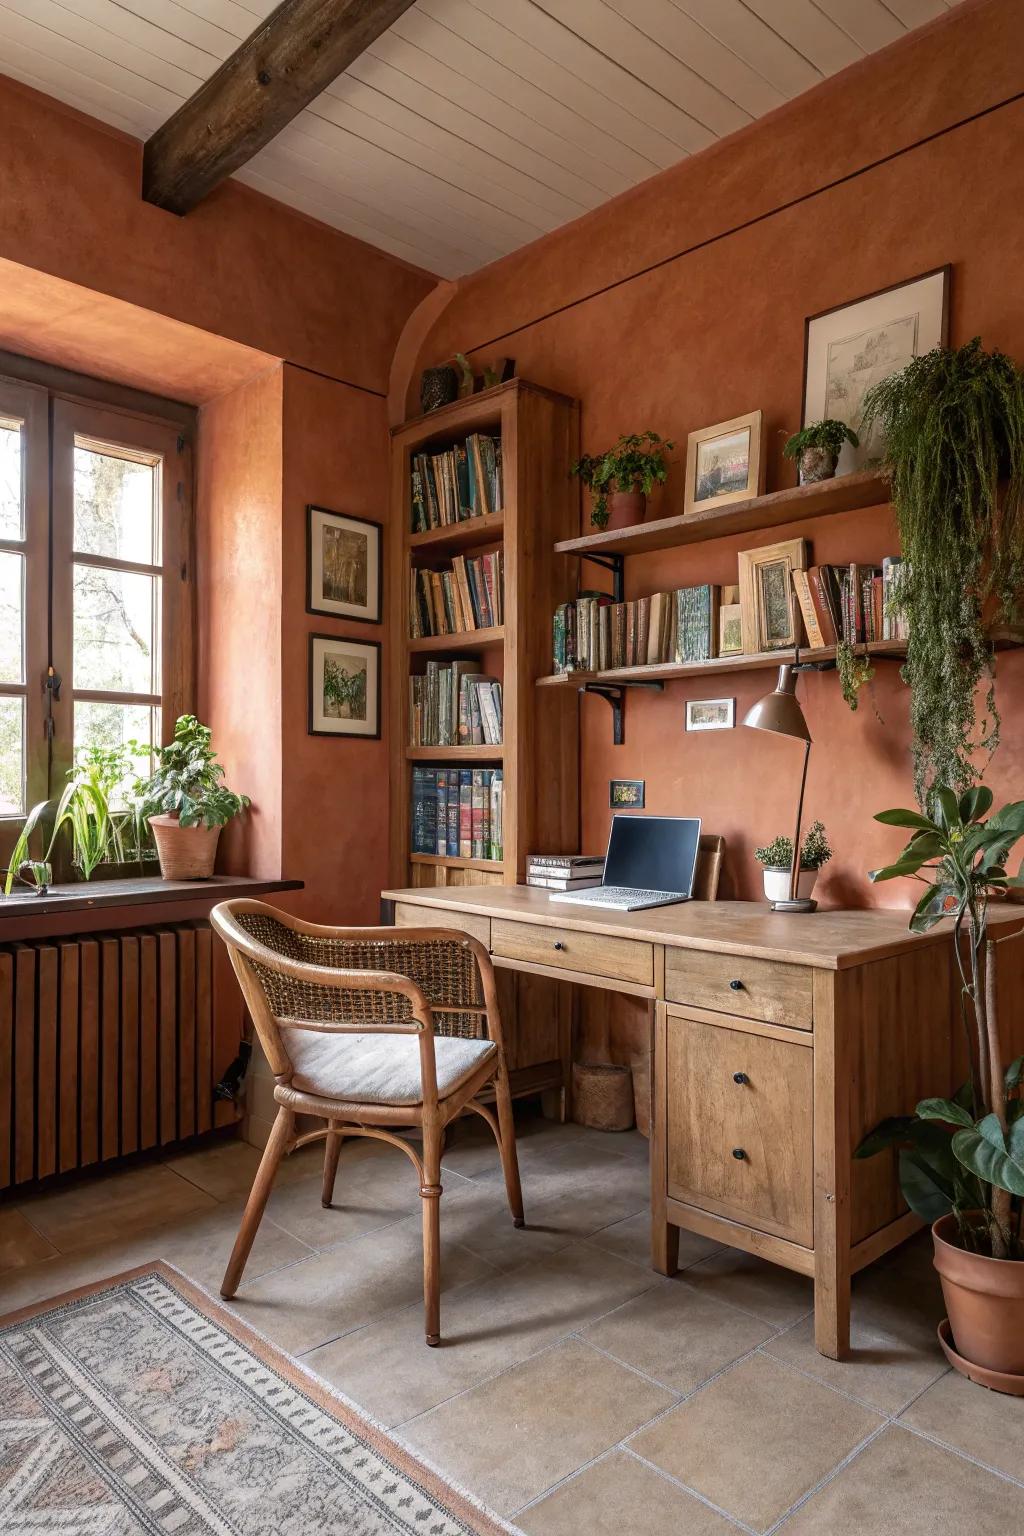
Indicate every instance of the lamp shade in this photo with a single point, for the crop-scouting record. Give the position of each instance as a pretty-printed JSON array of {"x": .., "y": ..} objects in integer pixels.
[{"x": 779, "y": 711}]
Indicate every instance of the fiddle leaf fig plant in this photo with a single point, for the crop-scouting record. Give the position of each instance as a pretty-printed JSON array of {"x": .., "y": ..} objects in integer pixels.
[
  {"x": 636, "y": 463},
  {"x": 187, "y": 782}
]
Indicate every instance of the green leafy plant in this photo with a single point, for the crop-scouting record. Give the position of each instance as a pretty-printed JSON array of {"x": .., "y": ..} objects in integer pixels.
[
  {"x": 187, "y": 781},
  {"x": 83, "y": 811},
  {"x": 954, "y": 425},
  {"x": 964, "y": 1154},
  {"x": 814, "y": 852},
  {"x": 854, "y": 672},
  {"x": 636, "y": 463},
  {"x": 828, "y": 434}
]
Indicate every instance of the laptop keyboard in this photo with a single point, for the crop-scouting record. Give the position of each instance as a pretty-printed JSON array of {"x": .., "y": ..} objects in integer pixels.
[{"x": 619, "y": 897}]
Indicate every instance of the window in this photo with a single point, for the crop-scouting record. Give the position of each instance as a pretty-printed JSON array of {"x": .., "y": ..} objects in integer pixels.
[{"x": 96, "y": 622}]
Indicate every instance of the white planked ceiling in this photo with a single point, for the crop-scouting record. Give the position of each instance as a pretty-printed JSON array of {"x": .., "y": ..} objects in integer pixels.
[{"x": 472, "y": 126}]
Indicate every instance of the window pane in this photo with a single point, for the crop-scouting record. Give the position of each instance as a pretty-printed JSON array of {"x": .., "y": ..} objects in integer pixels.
[
  {"x": 117, "y": 626},
  {"x": 12, "y": 617},
  {"x": 109, "y": 727},
  {"x": 115, "y": 507},
  {"x": 12, "y": 757},
  {"x": 12, "y": 524}
]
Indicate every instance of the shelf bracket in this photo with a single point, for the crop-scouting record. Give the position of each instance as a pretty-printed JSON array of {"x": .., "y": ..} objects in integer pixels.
[
  {"x": 617, "y": 565},
  {"x": 615, "y": 694}
]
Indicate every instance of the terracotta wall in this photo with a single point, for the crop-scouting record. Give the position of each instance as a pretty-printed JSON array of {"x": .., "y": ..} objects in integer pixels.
[{"x": 898, "y": 166}]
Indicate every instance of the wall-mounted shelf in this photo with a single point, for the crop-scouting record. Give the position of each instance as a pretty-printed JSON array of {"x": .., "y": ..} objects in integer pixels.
[{"x": 668, "y": 671}]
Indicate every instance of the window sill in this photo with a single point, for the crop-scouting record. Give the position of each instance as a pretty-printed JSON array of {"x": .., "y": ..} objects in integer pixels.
[{"x": 23, "y": 905}]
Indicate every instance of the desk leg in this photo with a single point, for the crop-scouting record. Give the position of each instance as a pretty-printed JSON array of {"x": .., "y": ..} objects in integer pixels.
[
  {"x": 832, "y": 1172},
  {"x": 664, "y": 1236}
]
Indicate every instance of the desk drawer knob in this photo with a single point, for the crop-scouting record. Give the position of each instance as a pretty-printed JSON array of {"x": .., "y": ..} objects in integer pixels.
[
  {"x": 736, "y": 986},
  {"x": 739, "y": 1154},
  {"x": 740, "y": 1077},
  {"x": 559, "y": 944}
]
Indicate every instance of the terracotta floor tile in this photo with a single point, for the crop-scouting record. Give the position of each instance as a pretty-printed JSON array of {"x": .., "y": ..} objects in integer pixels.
[
  {"x": 987, "y": 1425},
  {"x": 369, "y": 1192},
  {"x": 884, "y": 1369},
  {"x": 620, "y": 1496},
  {"x": 778, "y": 1296},
  {"x": 115, "y": 1204},
  {"x": 20, "y": 1243},
  {"x": 631, "y": 1239},
  {"x": 225, "y": 1169}
]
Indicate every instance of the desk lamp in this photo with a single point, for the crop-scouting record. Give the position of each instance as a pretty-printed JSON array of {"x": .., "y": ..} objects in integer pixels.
[{"x": 780, "y": 713}]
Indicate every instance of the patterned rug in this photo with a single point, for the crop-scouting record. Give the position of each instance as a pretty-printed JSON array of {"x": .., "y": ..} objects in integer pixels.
[{"x": 140, "y": 1405}]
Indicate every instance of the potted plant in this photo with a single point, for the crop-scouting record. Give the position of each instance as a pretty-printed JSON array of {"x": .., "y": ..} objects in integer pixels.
[
  {"x": 817, "y": 447},
  {"x": 82, "y": 810},
  {"x": 776, "y": 858},
  {"x": 622, "y": 478},
  {"x": 186, "y": 804},
  {"x": 961, "y": 1160}
]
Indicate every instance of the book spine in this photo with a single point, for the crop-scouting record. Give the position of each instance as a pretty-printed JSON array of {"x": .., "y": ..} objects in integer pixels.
[
  {"x": 441, "y": 811},
  {"x": 497, "y": 845},
  {"x": 452, "y": 814},
  {"x": 478, "y": 814},
  {"x": 802, "y": 588},
  {"x": 465, "y": 813}
]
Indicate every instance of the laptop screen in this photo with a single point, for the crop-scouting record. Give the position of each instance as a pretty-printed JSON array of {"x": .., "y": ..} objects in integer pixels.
[{"x": 658, "y": 853}]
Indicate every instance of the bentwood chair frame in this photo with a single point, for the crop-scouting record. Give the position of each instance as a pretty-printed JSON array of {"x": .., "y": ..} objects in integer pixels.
[{"x": 377, "y": 1002}]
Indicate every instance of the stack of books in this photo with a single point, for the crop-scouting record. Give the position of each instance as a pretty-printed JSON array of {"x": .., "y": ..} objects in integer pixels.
[
  {"x": 457, "y": 812},
  {"x": 853, "y": 603},
  {"x": 594, "y": 634},
  {"x": 461, "y": 482},
  {"x": 467, "y": 595},
  {"x": 454, "y": 704},
  {"x": 564, "y": 871}
]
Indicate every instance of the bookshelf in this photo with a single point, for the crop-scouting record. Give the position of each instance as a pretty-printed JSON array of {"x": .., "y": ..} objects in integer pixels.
[{"x": 539, "y": 432}]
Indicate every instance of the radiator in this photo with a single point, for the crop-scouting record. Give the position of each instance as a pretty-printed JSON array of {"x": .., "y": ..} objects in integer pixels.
[{"x": 106, "y": 1047}]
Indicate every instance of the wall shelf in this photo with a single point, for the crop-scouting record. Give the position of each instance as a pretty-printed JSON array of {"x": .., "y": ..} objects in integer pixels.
[
  {"x": 455, "y": 536},
  {"x": 464, "y": 754},
  {"x": 465, "y": 640},
  {"x": 668, "y": 671}
]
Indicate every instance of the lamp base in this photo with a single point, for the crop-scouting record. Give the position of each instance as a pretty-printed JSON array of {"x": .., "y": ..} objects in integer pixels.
[{"x": 798, "y": 904}]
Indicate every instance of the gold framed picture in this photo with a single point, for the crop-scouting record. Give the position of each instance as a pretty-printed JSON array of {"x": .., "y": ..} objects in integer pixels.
[
  {"x": 724, "y": 463},
  {"x": 769, "y": 615}
]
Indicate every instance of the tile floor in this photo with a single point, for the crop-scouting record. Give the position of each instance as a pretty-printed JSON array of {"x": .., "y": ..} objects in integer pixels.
[{"x": 576, "y": 1392}]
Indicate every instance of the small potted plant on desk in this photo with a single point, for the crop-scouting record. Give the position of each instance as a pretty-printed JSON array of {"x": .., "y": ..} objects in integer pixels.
[
  {"x": 622, "y": 478},
  {"x": 961, "y": 1160},
  {"x": 186, "y": 804},
  {"x": 776, "y": 859},
  {"x": 817, "y": 448}
]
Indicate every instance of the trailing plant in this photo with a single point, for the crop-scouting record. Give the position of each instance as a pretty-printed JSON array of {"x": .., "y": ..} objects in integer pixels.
[
  {"x": 954, "y": 425},
  {"x": 827, "y": 434},
  {"x": 636, "y": 463},
  {"x": 964, "y": 1154},
  {"x": 814, "y": 852},
  {"x": 83, "y": 809},
  {"x": 854, "y": 671},
  {"x": 187, "y": 781}
]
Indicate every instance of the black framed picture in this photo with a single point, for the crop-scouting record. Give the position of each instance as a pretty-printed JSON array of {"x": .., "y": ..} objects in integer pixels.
[
  {"x": 344, "y": 566},
  {"x": 344, "y": 687},
  {"x": 626, "y": 794}
]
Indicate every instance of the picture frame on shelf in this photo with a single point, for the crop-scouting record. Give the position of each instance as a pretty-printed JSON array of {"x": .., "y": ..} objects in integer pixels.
[
  {"x": 710, "y": 714},
  {"x": 853, "y": 346},
  {"x": 769, "y": 614},
  {"x": 730, "y": 622},
  {"x": 725, "y": 463},
  {"x": 344, "y": 687},
  {"x": 344, "y": 566}
]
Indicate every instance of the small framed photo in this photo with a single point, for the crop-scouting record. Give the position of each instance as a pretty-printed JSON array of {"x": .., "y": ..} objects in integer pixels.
[
  {"x": 710, "y": 714},
  {"x": 626, "y": 794},
  {"x": 344, "y": 687},
  {"x": 730, "y": 623},
  {"x": 768, "y": 610},
  {"x": 344, "y": 568},
  {"x": 852, "y": 347},
  {"x": 725, "y": 463}
]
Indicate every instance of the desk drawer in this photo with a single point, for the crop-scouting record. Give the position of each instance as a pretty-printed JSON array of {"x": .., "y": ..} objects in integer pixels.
[
  {"x": 769, "y": 990},
  {"x": 741, "y": 1149},
  {"x": 409, "y": 915},
  {"x": 591, "y": 954}
]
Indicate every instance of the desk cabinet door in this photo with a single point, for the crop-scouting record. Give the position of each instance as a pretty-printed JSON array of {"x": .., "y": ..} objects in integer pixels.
[{"x": 739, "y": 1126}]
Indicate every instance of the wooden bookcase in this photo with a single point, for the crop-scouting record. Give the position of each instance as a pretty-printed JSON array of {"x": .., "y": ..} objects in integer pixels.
[{"x": 539, "y": 756}]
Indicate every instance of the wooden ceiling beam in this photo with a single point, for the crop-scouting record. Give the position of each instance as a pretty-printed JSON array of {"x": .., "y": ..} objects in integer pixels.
[{"x": 290, "y": 58}]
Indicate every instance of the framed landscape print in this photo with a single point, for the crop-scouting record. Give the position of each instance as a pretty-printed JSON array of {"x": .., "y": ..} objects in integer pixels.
[
  {"x": 344, "y": 569},
  {"x": 769, "y": 613},
  {"x": 848, "y": 349},
  {"x": 724, "y": 463},
  {"x": 710, "y": 714},
  {"x": 344, "y": 687}
]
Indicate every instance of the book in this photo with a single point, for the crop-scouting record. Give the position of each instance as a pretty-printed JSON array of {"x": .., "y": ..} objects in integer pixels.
[
  {"x": 465, "y": 596},
  {"x": 564, "y": 863},
  {"x": 805, "y": 602},
  {"x": 553, "y": 883},
  {"x": 457, "y": 812}
]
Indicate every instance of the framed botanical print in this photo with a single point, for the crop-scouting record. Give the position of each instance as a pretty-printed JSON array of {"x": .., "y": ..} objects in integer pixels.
[
  {"x": 848, "y": 349},
  {"x": 769, "y": 613},
  {"x": 344, "y": 568},
  {"x": 344, "y": 686},
  {"x": 724, "y": 463}
]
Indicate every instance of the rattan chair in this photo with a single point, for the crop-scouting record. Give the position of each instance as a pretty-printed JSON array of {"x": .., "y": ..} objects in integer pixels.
[{"x": 370, "y": 1029}]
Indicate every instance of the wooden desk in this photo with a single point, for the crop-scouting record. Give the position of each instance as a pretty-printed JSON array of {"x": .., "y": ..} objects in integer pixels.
[{"x": 779, "y": 1040}]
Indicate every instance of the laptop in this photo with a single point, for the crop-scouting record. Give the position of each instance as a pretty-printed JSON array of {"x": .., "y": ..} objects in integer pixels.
[{"x": 650, "y": 863}]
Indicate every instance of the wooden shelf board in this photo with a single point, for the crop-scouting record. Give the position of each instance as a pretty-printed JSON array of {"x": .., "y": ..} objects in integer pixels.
[
  {"x": 847, "y": 493},
  {"x": 468, "y": 640},
  {"x": 455, "y": 536},
  {"x": 491, "y": 866},
  {"x": 466, "y": 754},
  {"x": 666, "y": 671}
]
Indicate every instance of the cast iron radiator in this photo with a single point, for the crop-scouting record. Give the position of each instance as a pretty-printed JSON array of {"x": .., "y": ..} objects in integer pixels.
[{"x": 106, "y": 1047}]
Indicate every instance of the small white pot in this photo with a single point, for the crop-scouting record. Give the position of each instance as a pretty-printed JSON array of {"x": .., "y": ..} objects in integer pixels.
[{"x": 776, "y": 884}]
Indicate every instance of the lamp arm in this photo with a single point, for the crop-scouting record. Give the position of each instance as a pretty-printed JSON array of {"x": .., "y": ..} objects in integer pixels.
[{"x": 794, "y": 868}]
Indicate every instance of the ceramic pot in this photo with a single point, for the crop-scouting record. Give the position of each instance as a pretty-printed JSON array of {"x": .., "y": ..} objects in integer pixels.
[
  {"x": 984, "y": 1301},
  {"x": 438, "y": 386},
  {"x": 776, "y": 884},
  {"x": 626, "y": 509},
  {"x": 817, "y": 464},
  {"x": 186, "y": 853}
]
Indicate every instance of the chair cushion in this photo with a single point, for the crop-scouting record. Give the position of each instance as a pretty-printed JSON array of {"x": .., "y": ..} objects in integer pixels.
[{"x": 378, "y": 1068}]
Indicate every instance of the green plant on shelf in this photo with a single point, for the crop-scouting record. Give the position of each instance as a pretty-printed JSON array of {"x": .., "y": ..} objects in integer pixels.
[
  {"x": 828, "y": 435},
  {"x": 854, "y": 671},
  {"x": 83, "y": 814},
  {"x": 635, "y": 463},
  {"x": 187, "y": 780},
  {"x": 814, "y": 852}
]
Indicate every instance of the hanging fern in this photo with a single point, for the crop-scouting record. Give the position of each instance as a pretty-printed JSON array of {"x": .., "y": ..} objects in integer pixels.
[{"x": 954, "y": 427}]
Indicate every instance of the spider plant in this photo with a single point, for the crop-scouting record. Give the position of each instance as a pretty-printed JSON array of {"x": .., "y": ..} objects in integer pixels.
[{"x": 96, "y": 833}]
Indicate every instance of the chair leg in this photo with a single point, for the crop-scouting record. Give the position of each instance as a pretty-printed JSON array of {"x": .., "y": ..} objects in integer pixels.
[
  {"x": 277, "y": 1145},
  {"x": 507, "y": 1147},
  {"x": 430, "y": 1194},
  {"x": 332, "y": 1151}
]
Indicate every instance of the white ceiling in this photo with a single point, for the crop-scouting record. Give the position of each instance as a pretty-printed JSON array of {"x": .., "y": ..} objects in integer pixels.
[{"x": 472, "y": 126}]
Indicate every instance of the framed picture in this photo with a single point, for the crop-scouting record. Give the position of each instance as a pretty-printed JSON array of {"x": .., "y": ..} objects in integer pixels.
[
  {"x": 848, "y": 349},
  {"x": 344, "y": 568},
  {"x": 344, "y": 686},
  {"x": 724, "y": 463},
  {"x": 710, "y": 714},
  {"x": 626, "y": 794},
  {"x": 730, "y": 623},
  {"x": 768, "y": 611}
]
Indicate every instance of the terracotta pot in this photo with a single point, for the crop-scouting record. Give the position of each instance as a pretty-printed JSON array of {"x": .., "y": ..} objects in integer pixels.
[
  {"x": 985, "y": 1301},
  {"x": 626, "y": 509},
  {"x": 186, "y": 853},
  {"x": 817, "y": 464},
  {"x": 776, "y": 884}
]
